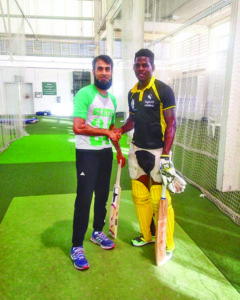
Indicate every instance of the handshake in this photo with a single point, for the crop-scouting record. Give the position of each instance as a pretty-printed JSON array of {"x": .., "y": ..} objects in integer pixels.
[
  {"x": 170, "y": 178},
  {"x": 115, "y": 134}
]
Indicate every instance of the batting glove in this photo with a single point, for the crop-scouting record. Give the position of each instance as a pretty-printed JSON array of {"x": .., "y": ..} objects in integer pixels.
[
  {"x": 178, "y": 185},
  {"x": 167, "y": 170}
]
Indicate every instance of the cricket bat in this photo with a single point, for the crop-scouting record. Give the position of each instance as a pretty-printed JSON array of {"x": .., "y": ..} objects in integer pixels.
[
  {"x": 161, "y": 229},
  {"x": 114, "y": 209}
]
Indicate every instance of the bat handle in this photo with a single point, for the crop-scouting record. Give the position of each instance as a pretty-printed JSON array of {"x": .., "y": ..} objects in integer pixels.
[
  {"x": 119, "y": 172},
  {"x": 164, "y": 190}
]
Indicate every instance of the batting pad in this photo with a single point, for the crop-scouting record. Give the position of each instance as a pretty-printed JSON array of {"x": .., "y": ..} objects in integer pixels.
[
  {"x": 142, "y": 200},
  {"x": 170, "y": 228},
  {"x": 156, "y": 196}
]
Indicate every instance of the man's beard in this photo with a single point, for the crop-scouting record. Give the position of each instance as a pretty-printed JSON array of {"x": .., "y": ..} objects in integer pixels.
[{"x": 102, "y": 85}]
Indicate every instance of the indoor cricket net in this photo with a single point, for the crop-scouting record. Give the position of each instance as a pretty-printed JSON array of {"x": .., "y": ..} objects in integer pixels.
[{"x": 203, "y": 74}]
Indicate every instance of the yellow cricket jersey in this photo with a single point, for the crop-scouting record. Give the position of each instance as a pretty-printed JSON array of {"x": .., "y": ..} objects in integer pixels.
[{"x": 146, "y": 107}]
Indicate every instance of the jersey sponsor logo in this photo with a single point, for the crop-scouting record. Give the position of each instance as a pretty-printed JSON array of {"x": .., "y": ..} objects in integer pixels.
[
  {"x": 103, "y": 112},
  {"x": 149, "y": 103}
]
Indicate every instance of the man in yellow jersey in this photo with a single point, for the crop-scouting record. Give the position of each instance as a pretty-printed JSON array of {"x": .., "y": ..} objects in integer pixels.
[{"x": 152, "y": 116}]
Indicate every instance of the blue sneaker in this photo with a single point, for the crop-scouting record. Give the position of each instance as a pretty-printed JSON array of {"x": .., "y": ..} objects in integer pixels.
[
  {"x": 80, "y": 261},
  {"x": 100, "y": 238}
]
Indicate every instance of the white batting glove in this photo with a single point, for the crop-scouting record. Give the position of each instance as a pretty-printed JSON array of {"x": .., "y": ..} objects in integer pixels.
[
  {"x": 178, "y": 185},
  {"x": 167, "y": 170}
]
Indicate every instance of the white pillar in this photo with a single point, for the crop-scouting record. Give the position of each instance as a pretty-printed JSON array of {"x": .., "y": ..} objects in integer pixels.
[
  {"x": 132, "y": 27},
  {"x": 228, "y": 173},
  {"x": 132, "y": 40},
  {"x": 109, "y": 38},
  {"x": 97, "y": 21}
]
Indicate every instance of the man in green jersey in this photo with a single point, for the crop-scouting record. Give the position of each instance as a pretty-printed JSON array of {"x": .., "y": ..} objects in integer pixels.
[
  {"x": 152, "y": 116},
  {"x": 94, "y": 117}
]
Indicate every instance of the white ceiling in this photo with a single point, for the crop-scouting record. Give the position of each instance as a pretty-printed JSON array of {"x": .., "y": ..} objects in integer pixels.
[
  {"x": 74, "y": 19},
  {"x": 55, "y": 18}
]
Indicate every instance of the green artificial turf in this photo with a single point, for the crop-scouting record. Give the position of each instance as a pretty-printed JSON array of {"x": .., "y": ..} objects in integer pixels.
[
  {"x": 35, "y": 262},
  {"x": 39, "y": 148},
  {"x": 49, "y": 140},
  {"x": 43, "y": 162},
  {"x": 213, "y": 232},
  {"x": 43, "y": 179}
]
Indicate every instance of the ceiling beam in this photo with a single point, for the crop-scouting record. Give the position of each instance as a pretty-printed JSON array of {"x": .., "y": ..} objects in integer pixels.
[
  {"x": 59, "y": 38},
  {"x": 4, "y": 22},
  {"x": 49, "y": 17}
]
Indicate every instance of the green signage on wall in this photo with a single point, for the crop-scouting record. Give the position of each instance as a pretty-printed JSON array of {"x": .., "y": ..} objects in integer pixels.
[{"x": 49, "y": 88}]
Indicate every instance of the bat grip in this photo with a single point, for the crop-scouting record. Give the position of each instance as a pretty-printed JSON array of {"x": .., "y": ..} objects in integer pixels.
[
  {"x": 119, "y": 172},
  {"x": 164, "y": 190}
]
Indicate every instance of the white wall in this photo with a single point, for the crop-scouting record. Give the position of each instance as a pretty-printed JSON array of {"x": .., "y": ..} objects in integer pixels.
[
  {"x": 36, "y": 70},
  {"x": 63, "y": 79}
]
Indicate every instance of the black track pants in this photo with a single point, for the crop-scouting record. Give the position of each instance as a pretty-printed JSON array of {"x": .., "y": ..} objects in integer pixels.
[{"x": 93, "y": 175}]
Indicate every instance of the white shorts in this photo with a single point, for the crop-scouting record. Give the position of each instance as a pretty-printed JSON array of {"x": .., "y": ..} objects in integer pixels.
[{"x": 135, "y": 171}]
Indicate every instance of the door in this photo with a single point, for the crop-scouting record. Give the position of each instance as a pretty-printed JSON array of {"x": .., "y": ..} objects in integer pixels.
[{"x": 19, "y": 98}]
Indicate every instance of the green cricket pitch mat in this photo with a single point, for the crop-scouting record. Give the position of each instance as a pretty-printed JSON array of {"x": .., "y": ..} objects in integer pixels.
[{"x": 35, "y": 259}]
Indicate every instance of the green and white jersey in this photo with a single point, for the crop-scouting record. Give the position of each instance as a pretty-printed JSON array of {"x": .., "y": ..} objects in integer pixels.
[{"x": 98, "y": 111}]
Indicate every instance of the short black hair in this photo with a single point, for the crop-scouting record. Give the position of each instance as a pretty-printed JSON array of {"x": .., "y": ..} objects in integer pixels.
[
  {"x": 107, "y": 59},
  {"x": 146, "y": 53}
]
